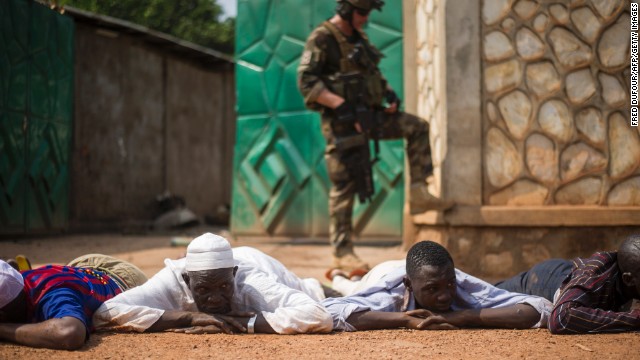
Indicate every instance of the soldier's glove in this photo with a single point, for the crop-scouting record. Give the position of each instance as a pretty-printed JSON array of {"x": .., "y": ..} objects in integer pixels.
[
  {"x": 345, "y": 113},
  {"x": 392, "y": 97}
]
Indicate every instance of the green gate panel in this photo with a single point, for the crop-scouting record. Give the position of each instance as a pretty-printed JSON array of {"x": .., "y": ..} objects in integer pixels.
[
  {"x": 50, "y": 102},
  {"x": 47, "y": 174},
  {"x": 51, "y": 66},
  {"x": 281, "y": 184},
  {"x": 14, "y": 63},
  {"x": 12, "y": 170},
  {"x": 36, "y": 109}
]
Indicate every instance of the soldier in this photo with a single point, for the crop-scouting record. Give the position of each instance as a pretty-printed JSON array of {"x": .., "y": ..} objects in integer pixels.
[{"x": 336, "y": 48}]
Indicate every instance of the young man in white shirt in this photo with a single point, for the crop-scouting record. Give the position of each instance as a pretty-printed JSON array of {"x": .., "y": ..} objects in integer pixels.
[{"x": 430, "y": 293}]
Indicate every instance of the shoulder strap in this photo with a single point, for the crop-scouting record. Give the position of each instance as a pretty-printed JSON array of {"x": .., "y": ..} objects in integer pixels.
[{"x": 345, "y": 47}]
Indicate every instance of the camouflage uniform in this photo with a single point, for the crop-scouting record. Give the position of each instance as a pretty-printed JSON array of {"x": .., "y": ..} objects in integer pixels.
[{"x": 322, "y": 61}]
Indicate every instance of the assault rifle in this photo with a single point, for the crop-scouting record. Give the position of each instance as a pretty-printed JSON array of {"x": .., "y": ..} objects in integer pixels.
[{"x": 354, "y": 146}]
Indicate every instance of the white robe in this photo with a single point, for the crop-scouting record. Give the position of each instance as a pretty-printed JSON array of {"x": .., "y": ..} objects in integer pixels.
[{"x": 289, "y": 304}]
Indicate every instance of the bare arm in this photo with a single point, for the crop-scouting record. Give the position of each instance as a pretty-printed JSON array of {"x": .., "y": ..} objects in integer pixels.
[
  {"x": 520, "y": 316},
  {"x": 261, "y": 325},
  {"x": 329, "y": 99},
  {"x": 175, "y": 319},
  {"x": 374, "y": 320},
  {"x": 66, "y": 333}
]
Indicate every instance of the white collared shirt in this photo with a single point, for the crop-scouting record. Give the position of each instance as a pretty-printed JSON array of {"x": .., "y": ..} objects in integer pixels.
[{"x": 388, "y": 293}]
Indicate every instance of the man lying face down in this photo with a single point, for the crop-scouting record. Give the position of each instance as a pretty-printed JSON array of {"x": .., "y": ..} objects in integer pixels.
[
  {"x": 51, "y": 306},
  {"x": 219, "y": 289},
  {"x": 592, "y": 295},
  {"x": 429, "y": 293}
]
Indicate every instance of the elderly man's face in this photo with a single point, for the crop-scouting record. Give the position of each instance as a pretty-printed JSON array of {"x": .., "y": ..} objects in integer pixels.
[
  {"x": 212, "y": 289},
  {"x": 434, "y": 287}
]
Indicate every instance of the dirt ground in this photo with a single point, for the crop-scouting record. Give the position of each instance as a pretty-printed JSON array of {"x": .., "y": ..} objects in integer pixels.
[{"x": 306, "y": 260}]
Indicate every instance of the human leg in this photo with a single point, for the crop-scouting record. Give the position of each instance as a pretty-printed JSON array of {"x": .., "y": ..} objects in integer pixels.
[
  {"x": 543, "y": 279},
  {"x": 416, "y": 133},
  {"x": 344, "y": 285},
  {"x": 341, "y": 198},
  {"x": 125, "y": 274}
]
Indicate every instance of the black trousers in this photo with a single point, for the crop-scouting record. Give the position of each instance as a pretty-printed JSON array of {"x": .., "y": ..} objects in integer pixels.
[{"x": 543, "y": 279}]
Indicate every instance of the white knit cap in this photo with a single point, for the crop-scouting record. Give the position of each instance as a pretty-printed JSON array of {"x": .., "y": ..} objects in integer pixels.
[
  {"x": 11, "y": 283},
  {"x": 209, "y": 252}
]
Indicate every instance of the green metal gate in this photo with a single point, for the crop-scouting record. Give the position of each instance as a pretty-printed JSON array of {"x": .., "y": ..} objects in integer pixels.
[
  {"x": 36, "y": 90},
  {"x": 280, "y": 181}
]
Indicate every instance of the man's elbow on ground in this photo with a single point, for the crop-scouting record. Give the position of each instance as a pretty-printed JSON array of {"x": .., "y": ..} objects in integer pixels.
[
  {"x": 325, "y": 325},
  {"x": 558, "y": 321},
  {"x": 322, "y": 321},
  {"x": 69, "y": 335}
]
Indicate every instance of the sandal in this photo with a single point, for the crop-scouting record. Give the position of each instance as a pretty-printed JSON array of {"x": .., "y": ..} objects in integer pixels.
[
  {"x": 23, "y": 263},
  {"x": 358, "y": 273},
  {"x": 333, "y": 272}
]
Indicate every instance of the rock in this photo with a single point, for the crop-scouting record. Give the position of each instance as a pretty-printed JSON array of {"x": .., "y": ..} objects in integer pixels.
[
  {"x": 534, "y": 253},
  {"x": 587, "y": 23},
  {"x": 542, "y": 158},
  {"x": 525, "y": 9},
  {"x": 494, "y": 10},
  {"x": 590, "y": 123},
  {"x": 570, "y": 51},
  {"x": 613, "y": 49},
  {"x": 508, "y": 24},
  {"x": 464, "y": 247},
  {"x": 497, "y": 46},
  {"x": 580, "y": 86},
  {"x": 429, "y": 7},
  {"x": 627, "y": 193},
  {"x": 522, "y": 192},
  {"x": 421, "y": 21},
  {"x": 529, "y": 46},
  {"x": 581, "y": 159},
  {"x": 612, "y": 91},
  {"x": 503, "y": 76},
  {"x": 624, "y": 147},
  {"x": 559, "y": 13},
  {"x": 540, "y": 23},
  {"x": 554, "y": 119},
  {"x": 581, "y": 192},
  {"x": 606, "y": 8},
  {"x": 543, "y": 79},
  {"x": 497, "y": 265},
  {"x": 491, "y": 240},
  {"x": 504, "y": 163},
  {"x": 515, "y": 108}
]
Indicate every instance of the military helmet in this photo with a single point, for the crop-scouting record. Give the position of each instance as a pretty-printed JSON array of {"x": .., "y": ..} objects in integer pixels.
[{"x": 364, "y": 4}]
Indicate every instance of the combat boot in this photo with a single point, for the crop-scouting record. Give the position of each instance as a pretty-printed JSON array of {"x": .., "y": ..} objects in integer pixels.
[
  {"x": 349, "y": 262},
  {"x": 421, "y": 200}
]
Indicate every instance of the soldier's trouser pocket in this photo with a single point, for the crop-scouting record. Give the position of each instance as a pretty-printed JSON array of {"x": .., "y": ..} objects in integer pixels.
[{"x": 336, "y": 169}]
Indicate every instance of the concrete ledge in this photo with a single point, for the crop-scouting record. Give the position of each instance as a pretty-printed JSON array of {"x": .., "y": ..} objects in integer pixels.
[{"x": 533, "y": 216}]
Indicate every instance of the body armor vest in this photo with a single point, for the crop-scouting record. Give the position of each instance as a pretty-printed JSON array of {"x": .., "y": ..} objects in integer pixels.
[{"x": 357, "y": 58}]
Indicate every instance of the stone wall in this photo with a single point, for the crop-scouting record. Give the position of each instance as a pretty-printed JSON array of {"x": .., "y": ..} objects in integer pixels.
[
  {"x": 529, "y": 116},
  {"x": 556, "y": 105},
  {"x": 430, "y": 102},
  {"x": 495, "y": 253}
]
